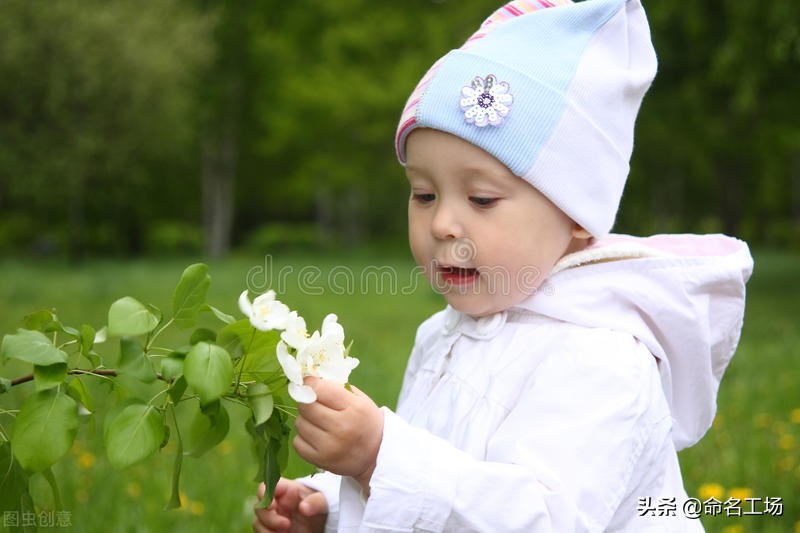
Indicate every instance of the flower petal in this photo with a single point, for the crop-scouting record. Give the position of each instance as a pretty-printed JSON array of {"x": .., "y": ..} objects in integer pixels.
[
  {"x": 276, "y": 315},
  {"x": 263, "y": 299},
  {"x": 331, "y": 329},
  {"x": 291, "y": 367},
  {"x": 244, "y": 305},
  {"x": 296, "y": 326},
  {"x": 334, "y": 371},
  {"x": 302, "y": 393}
]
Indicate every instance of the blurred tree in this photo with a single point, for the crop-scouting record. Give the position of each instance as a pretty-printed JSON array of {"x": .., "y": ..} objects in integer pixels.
[
  {"x": 96, "y": 113},
  {"x": 225, "y": 92},
  {"x": 719, "y": 131},
  {"x": 334, "y": 77},
  {"x": 119, "y": 117}
]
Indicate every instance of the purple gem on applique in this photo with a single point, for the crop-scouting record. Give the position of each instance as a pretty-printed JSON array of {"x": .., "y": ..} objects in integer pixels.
[{"x": 486, "y": 102}]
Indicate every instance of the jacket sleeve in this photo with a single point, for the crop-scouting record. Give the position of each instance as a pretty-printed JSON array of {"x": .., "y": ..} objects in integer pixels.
[{"x": 562, "y": 460}]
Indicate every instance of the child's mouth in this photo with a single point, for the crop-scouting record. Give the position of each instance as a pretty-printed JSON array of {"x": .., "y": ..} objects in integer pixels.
[{"x": 458, "y": 275}]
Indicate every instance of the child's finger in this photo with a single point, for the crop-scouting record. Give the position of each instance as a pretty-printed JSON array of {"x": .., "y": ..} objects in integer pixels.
[
  {"x": 314, "y": 504},
  {"x": 329, "y": 394},
  {"x": 269, "y": 520}
]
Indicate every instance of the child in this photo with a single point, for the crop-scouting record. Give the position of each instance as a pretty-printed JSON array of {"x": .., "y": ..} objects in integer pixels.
[{"x": 553, "y": 392}]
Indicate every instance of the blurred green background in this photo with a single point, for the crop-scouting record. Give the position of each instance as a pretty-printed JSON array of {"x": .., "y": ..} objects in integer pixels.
[
  {"x": 173, "y": 126},
  {"x": 137, "y": 136}
]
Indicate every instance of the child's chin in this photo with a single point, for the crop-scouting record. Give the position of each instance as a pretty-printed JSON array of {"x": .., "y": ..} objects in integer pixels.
[
  {"x": 481, "y": 305},
  {"x": 472, "y": 306}
]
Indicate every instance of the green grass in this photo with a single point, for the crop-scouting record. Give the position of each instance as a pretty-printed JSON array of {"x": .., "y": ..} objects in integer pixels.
[{"x": 753, "y": 445}]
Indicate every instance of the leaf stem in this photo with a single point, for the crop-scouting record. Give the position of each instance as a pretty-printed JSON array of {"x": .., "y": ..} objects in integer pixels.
[
  {"x": 73, "y": 341},
  {"x": 244, "y": 358},
  {"x": 284, "y": 409},
  {"x": 155, "y": 335},
  {"x": 159, "y": 393}
]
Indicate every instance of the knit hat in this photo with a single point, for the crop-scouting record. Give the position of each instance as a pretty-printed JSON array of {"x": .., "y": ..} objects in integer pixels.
[{"x": 551, "y": 93}]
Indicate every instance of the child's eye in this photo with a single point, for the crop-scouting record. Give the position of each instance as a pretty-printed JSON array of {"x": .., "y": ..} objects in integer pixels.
[
  {"x": 482, "y": 202},
  {"x": 423, "y": 198}
]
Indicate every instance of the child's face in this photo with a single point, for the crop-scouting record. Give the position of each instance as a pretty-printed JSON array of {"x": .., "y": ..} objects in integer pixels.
[{"x": 485, "y": 237}]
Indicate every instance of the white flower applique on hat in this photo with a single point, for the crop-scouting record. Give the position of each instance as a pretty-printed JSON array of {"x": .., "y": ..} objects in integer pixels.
[{"x": 486, "y": 102}]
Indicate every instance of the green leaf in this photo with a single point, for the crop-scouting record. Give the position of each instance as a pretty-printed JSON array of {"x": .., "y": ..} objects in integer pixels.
[
  {"x": 261, "y": 365},
  {"x": 40, "y": 320},
  {"x": 177, "y": 389},
  {"x": 272, "y": 469},
  {"x": 171, "y": 368},
  {"x": 31, "y": 347},
  {"x": 133, "y": 362},
  {"x": 49, "y": 376},
  {"x": 208, "y": 369},
  {"x": 190, "y": 294},
  {"x": 13, "y": 481},
  {"x": 135, "y": 433},
  {"x": 260, "y": 362},
  {"x": 5, "y": 385},
  {"x": 47, "y": 474},
  {"x": 87, "y": 338},
  {"x": 236, "y": 336},
  {"x": 44, "y": 429},
  {"x": 203, "y": 335},
  {"x": 175, "y": 496},
  {"x": 209, "y": 427},
  {"x": 78, "y": 390},
  {"x": 47, "y": 322},
  {"x": 223, "y": 317},
  {"x": 276, "y": 427},
  {"x": 261, "y": 402},
  {"x": 128, "y": 316},
  {"x": 258, "y": 442}
]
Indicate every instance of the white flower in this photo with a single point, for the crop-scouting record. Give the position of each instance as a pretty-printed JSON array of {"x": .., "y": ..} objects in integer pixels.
[
  {"x": 265, "y": 312},
  {"x": 301, "y": 393},
  {"x": 295, "y": 334},
  {"x": 486, "y": 102},
  {"x": 321, "y": 355}
]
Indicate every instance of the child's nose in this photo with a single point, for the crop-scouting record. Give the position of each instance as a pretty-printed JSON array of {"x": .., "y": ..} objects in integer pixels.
[{"x": 445, "y": 224}]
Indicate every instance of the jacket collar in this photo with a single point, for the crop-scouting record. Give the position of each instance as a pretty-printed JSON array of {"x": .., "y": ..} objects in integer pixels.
[{"x": 485, "y": 327}]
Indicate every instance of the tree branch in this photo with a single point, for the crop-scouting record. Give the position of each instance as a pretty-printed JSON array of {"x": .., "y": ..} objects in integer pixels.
[{"x": 97, "y": 372}]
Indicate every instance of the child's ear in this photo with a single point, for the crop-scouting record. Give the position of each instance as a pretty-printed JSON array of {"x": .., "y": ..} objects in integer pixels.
[{"x": 580, "y": 233}]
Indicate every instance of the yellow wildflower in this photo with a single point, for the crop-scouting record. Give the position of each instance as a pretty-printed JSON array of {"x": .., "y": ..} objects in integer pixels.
[
  {"x": 795, "y": 416},
  {"x": 711, "y": 490},
  {"x": 224, "y": 447},
  {"x": 134, "y": 490},
  {"x": 85, "y": 460},
  {"x": 786, "y": 463},
  {"x": 740, "y": 493},
  {"x": 733, "y": 529},
  {"x": 786, "y": 442},
  {"x": 197, "y": 508},
  {"x": 763, "y": 420}
]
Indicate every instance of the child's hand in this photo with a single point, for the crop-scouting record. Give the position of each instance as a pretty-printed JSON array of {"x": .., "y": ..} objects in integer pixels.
[
  {"x": 295, "y": 508},
  {"x": 341, "y": 432}
]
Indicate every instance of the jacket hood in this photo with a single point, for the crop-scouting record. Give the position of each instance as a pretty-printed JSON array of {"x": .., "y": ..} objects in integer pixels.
[{"x": 681, "y": 295}]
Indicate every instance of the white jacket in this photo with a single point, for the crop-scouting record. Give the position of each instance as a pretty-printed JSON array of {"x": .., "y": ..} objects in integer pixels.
[{"x": 565, "y": 412}]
